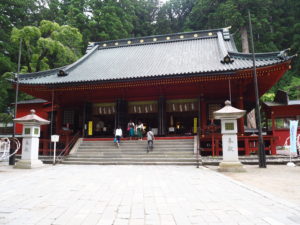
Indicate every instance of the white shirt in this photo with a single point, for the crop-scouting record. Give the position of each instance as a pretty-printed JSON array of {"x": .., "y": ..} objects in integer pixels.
[
  {"x": 150, "y": 136},
  {"x": 119, "y": 132}
]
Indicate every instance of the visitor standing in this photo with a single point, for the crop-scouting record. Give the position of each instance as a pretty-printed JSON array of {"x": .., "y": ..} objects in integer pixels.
[
  {"x": 118, "y": 135},
  {"x": 140, "y": 128},
  {"x": 130, "y": 128},
  {"x": 150, "y": 138}
]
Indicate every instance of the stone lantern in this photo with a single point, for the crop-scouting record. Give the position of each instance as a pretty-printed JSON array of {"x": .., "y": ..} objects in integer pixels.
[
  {"x": 30, "y": 144},
  {"x": 228, "y": 116}
]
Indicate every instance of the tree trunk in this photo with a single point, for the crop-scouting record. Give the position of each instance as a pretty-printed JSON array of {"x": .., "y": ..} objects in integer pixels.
[
  {"x": 244, "y": 37},
  {"x": 38, "y": 64}
]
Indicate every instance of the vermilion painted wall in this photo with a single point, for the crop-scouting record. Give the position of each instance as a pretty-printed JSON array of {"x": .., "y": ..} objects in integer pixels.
[{"x": 24, "y": 109}]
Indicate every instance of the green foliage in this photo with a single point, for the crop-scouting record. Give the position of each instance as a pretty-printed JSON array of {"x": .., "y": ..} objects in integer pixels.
[
  {"x": 5, "y": 118},
  {"x": 267, "y": 97},
  {"x": 48, "y": 45},
  {"x": 5, "y": 89},
  {"x": 172, "y": 16},
  {"x": 44, "y": 47}
]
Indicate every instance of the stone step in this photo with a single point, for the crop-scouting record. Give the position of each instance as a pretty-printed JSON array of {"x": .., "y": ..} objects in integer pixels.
[
  {"x": 137, "y": 143},
  {"x": 131, "y": 156},
  {"x": 132, "y": 159},
  {"x": 124, "y": 145},
  {"x": 136, "y": 146},
  {"x": 134, "y": 152},
  {"x": 140, "y": 154},
  {"x": 129, "y": 163},
  {"x": 129, "y": 151}
]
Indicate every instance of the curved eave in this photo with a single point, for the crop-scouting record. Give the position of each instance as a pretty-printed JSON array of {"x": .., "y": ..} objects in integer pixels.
[{"x": 154, "y": 77}]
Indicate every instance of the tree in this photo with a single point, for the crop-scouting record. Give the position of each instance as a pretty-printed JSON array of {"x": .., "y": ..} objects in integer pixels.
[
  {"x": 111, "y": 19},
  {"x": 173, "y": 14},
  {"x": 47, "y": 46},
  {"x": 145, "y": 14},
  {"x": 219, "y": 13}
]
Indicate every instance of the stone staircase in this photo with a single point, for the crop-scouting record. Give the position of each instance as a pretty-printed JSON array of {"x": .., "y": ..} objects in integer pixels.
[{"x": 165, "y": 152}]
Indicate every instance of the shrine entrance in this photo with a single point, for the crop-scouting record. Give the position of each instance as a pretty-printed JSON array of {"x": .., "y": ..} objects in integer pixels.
[
  {"x": 103, "y": 120},
  {"x": 170, "y": 117},
  {"x": 146, "y": 112},
  {"x": 182, "y": 117}
]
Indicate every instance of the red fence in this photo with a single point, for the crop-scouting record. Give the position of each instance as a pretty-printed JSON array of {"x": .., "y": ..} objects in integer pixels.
[{"x": 246, "y": 144}]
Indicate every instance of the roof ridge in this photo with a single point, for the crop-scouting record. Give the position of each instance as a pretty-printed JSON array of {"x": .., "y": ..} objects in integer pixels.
[
  {"x": 164, "y": 35},
  {"x": 157, "y": 42},
  {"x": 157, "y": 38}
]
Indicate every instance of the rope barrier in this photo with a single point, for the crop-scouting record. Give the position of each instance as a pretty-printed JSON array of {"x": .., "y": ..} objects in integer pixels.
[{"x": 5, "y": 144}]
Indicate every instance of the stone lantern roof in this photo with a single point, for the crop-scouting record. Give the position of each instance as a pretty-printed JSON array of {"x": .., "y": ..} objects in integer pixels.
[
  {"x": 31, "y": 118},
  {"x": 229, "y": 112}
]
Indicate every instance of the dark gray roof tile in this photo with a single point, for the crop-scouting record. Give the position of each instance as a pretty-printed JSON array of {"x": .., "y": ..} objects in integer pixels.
[{"x": 200, "y": 53}]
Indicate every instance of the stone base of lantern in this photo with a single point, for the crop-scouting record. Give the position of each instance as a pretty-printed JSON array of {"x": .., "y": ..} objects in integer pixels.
[
  {"x": 29, "y": 164},
  {"x": 231, "y": 167}
]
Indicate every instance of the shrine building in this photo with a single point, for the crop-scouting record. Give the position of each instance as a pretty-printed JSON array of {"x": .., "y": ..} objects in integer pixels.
[{"x": 172, "y": 83}]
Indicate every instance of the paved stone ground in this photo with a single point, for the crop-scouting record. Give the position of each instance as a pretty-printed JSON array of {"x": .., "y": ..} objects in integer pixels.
[{"x": 135, "y": 195}]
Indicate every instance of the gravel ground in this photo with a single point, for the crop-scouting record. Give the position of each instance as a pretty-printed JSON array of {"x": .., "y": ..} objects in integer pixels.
[{"x": 279, "y": 180}]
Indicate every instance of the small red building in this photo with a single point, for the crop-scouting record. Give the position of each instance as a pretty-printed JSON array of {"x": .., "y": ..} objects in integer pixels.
[
  {"x": 278, "y": 115},
  {"x": 172, "y": 83}
]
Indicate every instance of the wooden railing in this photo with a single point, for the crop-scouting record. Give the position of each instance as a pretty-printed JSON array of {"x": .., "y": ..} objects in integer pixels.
[
  {"x": 6, "y": 130},
  {"x": 68, "y": 148},
  {"x": 246, "y": 144}
]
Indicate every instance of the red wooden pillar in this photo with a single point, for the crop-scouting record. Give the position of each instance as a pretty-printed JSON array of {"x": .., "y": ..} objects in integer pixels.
[
  {"x": 59, "y": 119},
  {"x": 273, "y": 122},
  {"x": 273, "y": 142},
  {"x": 203, "y": 115},
  {"x": 241, "y": 121},
  {"x": 246, "y": 142},
  {"x": 273, "y": 146}
]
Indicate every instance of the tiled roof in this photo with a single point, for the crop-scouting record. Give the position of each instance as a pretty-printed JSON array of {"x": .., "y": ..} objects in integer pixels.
[
  {"x": 200, "y": 52},
  {"x": 31, "y": 101},
  {"x": 291, "y": 102}
]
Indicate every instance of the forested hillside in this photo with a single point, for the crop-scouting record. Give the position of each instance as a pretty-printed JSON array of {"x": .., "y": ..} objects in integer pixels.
[{"x": 56, "y": 32}]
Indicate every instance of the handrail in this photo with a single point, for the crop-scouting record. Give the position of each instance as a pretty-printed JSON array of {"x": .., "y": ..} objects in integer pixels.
[{"x": 65, "y": 151}]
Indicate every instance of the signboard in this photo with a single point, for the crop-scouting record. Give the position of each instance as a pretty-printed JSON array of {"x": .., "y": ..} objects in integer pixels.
[
  {"x": 182, "y": 105},
  {"x": 90, "y": 128},
  {"x": 195, "y": 125},
  {"x": 54, "y": 138},
  {"x": 229, "y": 126},
  {"x": 293, "y": 135},
  {"x": 138, "y": 107},
  {"x": 104, "y": 108}
]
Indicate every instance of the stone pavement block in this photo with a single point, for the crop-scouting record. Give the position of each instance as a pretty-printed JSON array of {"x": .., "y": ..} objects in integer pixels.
[
  {"x": 272, "y": 221},
  {"x": 76, "y": 219},
  {"x": 152, "y": 219},
  {"x": 121, "y": 222},
  {"x": 91, "y": 219},
  {"x": 197, "y": 220},
  {"x": 167, "y": 220},
  {"x": 105, "y": 222},
  {"x": 136, "y": 222},
  {"x": 123, "y": 215}
]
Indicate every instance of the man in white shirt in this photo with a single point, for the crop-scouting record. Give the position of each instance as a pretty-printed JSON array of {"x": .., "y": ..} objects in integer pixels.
[
  {"x": 150, "y": 138},
  {"x": 118, "y": 134}
]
